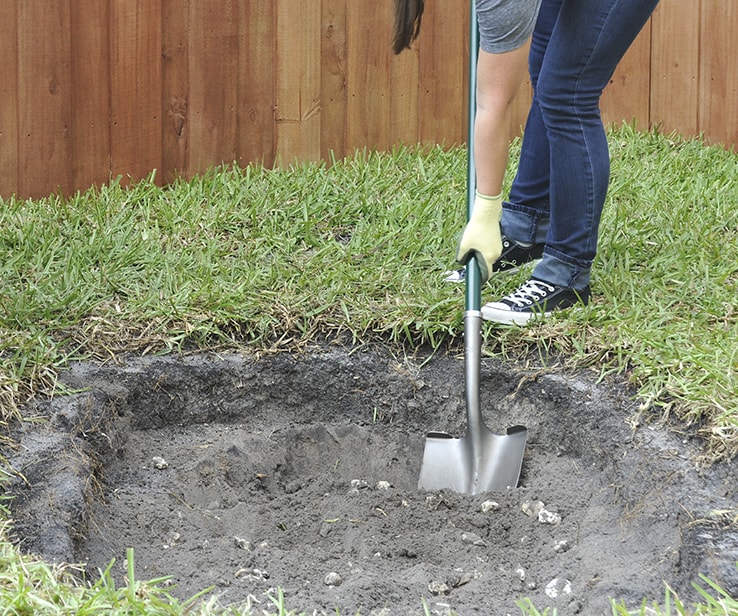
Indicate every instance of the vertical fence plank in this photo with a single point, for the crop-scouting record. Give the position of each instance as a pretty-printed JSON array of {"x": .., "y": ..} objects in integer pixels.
[
  {"x": 368, "y": 104},
  {"x": 175, "y": 88},
  {"x": 675, "y": 66},
  {"x": 627, "y": 97},
  {"x": 8, "y": 98},
  {"x": 334, "y": 79},
  {"x": 719, "y": 75},
  {"x": 403, "y": 94},
  {"x": 44, "y": 97},
  {"x": 443, "y": 57},
  {"x": 298, "y": 80},
  {"x": 90, "y": 60},
  {"x": 404, "y": 89},
  {"x": 257, "y": 46},
  {"x": 213, "y": 83},
  {"x": 135, "y": 77}
]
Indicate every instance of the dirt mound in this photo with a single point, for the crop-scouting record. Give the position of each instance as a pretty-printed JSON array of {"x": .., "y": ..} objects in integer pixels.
[{"x": 299, "y": 472}]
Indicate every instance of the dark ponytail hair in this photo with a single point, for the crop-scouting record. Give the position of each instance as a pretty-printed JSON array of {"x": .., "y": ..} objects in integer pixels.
[{"x": 407, "y": 23}]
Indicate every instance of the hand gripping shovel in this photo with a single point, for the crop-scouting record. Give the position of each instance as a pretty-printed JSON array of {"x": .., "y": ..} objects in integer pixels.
[{"x": 480, "y": 461}]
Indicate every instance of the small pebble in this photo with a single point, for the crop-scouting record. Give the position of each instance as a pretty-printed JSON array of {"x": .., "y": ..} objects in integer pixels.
[
  {"x": 333, "y": 579},
  {"x": 490, "y": 505},
  {"x": 532, "y": 509},
  {"x": 159, "y": 462},
  {"x": 549, "y": 517},
  {"x": 358, "y": 484},
  {"x": 473, "y": 539},
  {"x": 242, "y": 543},
  {"x": 556, "y": 588},
  {"x": 439, "y": 588},
  {"x": 255, "y": 575}
]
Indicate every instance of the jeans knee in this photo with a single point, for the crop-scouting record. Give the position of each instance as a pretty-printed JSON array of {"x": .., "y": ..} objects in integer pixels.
[{"x": 560, "y": 97}]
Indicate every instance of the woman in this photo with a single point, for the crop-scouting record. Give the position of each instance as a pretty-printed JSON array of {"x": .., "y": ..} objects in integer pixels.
[
  {"x": 505, "y": 28},
  {"x": 555, "y": 203}
]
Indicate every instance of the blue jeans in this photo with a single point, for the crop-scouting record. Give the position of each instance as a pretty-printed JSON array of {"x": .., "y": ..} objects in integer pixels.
[{"x": 561, "y": 183}]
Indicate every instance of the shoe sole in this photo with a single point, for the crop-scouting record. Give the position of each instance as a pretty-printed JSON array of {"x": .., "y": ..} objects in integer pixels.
[{"x": 508, "y": 317}]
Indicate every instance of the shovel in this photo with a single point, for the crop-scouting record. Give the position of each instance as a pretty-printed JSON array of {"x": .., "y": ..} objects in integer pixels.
[{"x": 480, "y": 461}]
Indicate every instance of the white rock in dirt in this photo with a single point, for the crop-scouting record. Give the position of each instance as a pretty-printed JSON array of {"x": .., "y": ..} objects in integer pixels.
[
  {"x": 562, "y": 546},
  {"x": 473, "y": 539},
  {"x": 520, "y": 573},
  {"x": 242, "y": 543},
  {"x": 173, "y": 539},
  {"x": 383, "y": 485},
  {"x": 254, "y": 575},
  {"x": 439, "y": 588},
  {"x": 358, "y": 484},
  {"x": 333, "y": 579},
  {"x": 558, "y": 588},
  {"x": 490, "y": 505},
  {"x": 532, "y": 509},
  {"x": 159, "y": 462},
  {"x": 549, "y": 517}
]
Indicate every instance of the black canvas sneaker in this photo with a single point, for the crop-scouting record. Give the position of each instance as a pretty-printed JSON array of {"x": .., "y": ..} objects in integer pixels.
[
  {"x": 533, "y": 299},
  {"x": 513, "y": 256}
]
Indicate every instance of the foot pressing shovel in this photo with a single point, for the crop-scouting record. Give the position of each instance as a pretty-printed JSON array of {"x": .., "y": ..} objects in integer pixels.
[{"x": 480, "y": 461}]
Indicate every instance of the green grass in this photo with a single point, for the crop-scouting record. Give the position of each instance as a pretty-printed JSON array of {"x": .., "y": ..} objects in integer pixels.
[
  {"x": 276, "y": 259},
  {"x": 280, "y": 258}
]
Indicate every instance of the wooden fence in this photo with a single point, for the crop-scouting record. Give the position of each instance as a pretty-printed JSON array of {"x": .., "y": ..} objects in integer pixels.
[{"x": 94, "y": 89}]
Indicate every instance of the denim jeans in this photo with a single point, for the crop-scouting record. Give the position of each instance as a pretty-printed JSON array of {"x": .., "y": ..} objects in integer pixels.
[{"x": 559, "y": 190}]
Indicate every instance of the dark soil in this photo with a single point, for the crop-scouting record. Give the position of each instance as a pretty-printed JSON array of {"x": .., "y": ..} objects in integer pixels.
[{"x": 299, "y": 472}]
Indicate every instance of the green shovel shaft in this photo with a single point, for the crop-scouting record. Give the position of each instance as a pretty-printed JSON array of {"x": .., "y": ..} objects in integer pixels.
[{"x": 473, "y": 277}]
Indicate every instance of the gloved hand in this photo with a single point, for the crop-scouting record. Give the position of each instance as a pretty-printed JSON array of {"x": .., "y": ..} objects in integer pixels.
[{"x": 482, "y": 236}]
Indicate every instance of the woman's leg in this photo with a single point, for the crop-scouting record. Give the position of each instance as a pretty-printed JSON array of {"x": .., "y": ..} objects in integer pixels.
[
  {"x": 562, "y": 180},
  {"x": 585, "y": 44},
  {"x": 525, "y": 215}
]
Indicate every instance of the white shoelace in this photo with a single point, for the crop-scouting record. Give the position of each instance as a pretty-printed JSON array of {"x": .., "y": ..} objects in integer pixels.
[{"x": 530, "y": 292}]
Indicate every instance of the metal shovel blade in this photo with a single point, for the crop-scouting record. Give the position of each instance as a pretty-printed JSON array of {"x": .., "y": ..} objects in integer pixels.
[
  {"x": 480, "y": 461},
  {"x": 461, "y": 465}
]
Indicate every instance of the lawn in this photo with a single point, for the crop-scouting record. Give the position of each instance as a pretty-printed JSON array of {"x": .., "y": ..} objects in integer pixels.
[{"x": 278, "y": 259}]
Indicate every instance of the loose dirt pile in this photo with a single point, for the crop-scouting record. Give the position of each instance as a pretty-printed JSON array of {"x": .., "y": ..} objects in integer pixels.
[{"x": 299, "y": 472}]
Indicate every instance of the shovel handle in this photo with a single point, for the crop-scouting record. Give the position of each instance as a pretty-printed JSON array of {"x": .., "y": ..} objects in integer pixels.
[{"x": 473, "y": 277}]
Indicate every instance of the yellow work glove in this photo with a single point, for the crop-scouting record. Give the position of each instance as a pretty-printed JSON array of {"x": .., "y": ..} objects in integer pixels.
[{"x": 481, "y": 236}]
